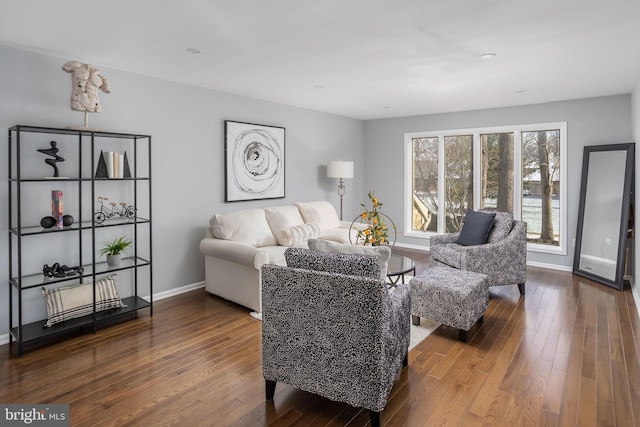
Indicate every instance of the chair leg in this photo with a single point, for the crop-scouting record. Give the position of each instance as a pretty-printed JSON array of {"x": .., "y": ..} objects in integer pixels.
[
  {"x": 270, "y": 389},
  {"x": 463, "y": 335},
  {"x": 521, "y": 288},
  {"x": 405, "y": 361},
  {"x": 415, "y": 319},
  {"x": 374, "y": 416}
]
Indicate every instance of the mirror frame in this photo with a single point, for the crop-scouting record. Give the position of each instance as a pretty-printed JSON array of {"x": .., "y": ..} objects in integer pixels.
[{"x": 627, "y": 195}]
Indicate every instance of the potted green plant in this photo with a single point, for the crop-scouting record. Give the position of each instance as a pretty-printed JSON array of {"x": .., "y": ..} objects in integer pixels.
[{"x": 114, "y": 249}]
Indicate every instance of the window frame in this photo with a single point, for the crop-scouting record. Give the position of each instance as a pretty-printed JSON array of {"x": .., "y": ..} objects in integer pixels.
[{"x": 517, "y": 130}]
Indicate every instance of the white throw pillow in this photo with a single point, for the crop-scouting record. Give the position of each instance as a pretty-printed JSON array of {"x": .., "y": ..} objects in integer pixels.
[
  {"x": 282, "y": 217},
  {"x": 383, "y": 253},
  {"x": 69, "y": 302},
  {"x": 297, "y": 234},
  {"x": 320, "y": 212},
  {"x": 248, "y": 226}
]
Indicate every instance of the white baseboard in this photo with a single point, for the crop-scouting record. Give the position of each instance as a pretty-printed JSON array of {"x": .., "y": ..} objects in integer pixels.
[
  {"x": 557, "y": 267},
  {"x": 4, "y": 338},
  {"x": 176, "y": 291}
]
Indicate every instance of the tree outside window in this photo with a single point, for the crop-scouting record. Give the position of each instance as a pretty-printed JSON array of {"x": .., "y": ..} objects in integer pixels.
[{"x": 450, "y": 188}]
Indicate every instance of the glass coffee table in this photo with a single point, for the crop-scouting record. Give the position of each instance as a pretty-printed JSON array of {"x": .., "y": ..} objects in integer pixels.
[{"x": 399, "y": 265}]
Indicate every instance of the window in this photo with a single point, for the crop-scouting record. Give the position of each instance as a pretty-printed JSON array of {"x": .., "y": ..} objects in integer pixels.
[{"x": 518, "y": 169}]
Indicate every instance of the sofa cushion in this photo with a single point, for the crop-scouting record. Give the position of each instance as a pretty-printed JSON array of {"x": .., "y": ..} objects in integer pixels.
[
  {"x": 321, "y": 212},
  {"x": 476, "y": 228},
  {"x": 281, "y": 217},
  {"x": 248, "y": 226},
  {"x": 383, "y": 253},
  {"x": 502, "y": 225},
  {"x": 297, "y": 233},
  {"x": 349, "y": 264},
  {"x": 340, "y": 235}
]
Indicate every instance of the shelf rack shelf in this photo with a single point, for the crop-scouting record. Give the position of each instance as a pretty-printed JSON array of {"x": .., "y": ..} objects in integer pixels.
[{"x": 22, "y": 139}]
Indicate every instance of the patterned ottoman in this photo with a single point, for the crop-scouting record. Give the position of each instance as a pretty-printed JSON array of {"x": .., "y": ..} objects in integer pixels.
[{"x": 456, "y": 298}]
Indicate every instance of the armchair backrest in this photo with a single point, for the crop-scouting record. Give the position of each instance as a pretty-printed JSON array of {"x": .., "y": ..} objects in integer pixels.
[{"x": 331, "y": 333}]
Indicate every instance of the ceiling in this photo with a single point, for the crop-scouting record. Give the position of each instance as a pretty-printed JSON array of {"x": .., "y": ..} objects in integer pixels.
[{"x": 364, "y": 59}]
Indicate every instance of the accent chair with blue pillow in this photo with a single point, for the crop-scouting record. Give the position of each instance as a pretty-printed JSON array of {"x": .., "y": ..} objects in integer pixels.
[{"x": 491, "y": 243}]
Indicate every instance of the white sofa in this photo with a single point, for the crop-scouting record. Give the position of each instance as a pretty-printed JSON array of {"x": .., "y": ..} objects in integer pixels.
[{"x": 237, "y": 244}]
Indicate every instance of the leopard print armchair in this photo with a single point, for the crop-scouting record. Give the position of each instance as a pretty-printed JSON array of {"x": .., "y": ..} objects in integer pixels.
[
  {"x": 330, "y": 326},
  {"x": 503, "y": 258}
]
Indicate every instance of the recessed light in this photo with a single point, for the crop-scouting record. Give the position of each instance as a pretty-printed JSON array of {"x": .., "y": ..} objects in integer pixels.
[
  {"x": 488, "y": 56},
  {"x": 318, "y": 86},
  {"x": 521, "y": 91},
  {"x": 194, "y": 51},
  {"x": 387, "y": 106}
]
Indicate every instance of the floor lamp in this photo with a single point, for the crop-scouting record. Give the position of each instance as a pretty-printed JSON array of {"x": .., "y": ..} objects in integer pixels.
[{"x": 341, "y": 170}]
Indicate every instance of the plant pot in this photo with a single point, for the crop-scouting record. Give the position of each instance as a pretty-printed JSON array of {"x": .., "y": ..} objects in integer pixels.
[{"x": 113, "y": 260}]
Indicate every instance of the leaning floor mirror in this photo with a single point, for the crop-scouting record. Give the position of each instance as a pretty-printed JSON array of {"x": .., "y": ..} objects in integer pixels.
[{"x": 605, "y": 217}]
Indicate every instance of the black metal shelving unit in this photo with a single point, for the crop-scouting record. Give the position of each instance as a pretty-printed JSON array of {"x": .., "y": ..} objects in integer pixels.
[{"x": 84, "y": 183}]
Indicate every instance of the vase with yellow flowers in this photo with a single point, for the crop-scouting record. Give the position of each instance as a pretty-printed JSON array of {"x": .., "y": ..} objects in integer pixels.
[{"x": 371, "y": 225}]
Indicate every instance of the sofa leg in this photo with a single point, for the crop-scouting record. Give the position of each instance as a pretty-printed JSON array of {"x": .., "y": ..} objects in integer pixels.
[
  {"x": 521, "y": 288},
  {"x": 415, "y": 320},
  {"x": 270, "y": 389},
  {"x": 374, "y": 416}
]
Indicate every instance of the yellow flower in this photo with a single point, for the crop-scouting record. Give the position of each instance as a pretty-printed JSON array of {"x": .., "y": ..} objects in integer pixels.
[{"x": 364, "y": 215}]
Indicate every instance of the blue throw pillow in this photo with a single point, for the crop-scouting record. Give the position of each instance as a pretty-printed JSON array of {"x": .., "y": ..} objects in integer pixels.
[{"x": 475, "y": 228}]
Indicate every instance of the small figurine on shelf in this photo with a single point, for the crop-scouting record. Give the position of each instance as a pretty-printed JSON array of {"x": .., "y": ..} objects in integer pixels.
[
  {"x": 123, "y": 210},
  {"x": 53, "y": 152},
  {"x": 57, "y": 270}
]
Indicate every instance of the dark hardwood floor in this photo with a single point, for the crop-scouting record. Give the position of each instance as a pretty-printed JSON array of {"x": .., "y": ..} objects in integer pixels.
[{"x": 566, "y": 355}]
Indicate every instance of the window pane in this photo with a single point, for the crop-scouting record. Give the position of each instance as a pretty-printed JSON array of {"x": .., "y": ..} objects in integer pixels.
[
  {"x": 497, "y": 172},
  {"x": 458, "y": 180},
  {"x": 541, "y": 186},
  {"x": 425, "y": 184}
]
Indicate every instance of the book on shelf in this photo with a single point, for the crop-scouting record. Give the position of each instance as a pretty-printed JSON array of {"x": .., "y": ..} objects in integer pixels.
[{"x": 113, "y": 165}]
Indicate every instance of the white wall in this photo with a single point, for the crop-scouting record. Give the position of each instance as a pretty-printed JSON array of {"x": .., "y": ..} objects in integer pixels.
[
  {"x": 605, "y": 120},
  {"x": 187, "y": 128}
]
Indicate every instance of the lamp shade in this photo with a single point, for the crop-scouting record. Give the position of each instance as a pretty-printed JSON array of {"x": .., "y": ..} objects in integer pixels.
[{"x": 339, "y": 169}]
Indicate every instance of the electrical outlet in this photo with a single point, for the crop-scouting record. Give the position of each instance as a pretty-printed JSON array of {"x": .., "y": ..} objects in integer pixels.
[{"x": 607, "y": 242}]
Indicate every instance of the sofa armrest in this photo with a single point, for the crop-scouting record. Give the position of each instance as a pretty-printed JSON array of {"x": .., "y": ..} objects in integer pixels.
[
  {"x": 235, "y": 252},
  {"x": 508, "y": 254},
  {"x": 347, "y": 224},
  {"x": 398, "y": 315},
  {"x": 442, "y": 239}
]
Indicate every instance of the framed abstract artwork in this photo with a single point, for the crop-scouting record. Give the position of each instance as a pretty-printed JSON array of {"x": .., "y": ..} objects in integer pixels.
[{"x": 254, "y": 161}]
